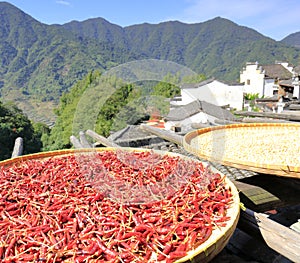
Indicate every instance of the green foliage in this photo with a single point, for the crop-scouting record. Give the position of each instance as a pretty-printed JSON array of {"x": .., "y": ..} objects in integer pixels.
[
  {"x": 251, "y": 96},
  {"x": 140, "y": 108},
  {"x": 194, "y": 78},
  {"x": 133, "y": 113},
  {"x": 166, "y": 90},
  {"x": 146, "y": 100},
  {"x": 14, "y": 124},
  {"x": 113, "y": 100},
  {"x": 116, "y": 105},
  {"x": 41, "y": 131},
  {"x": 59, "y": 137},
  {"x": 132, "y": 104},
  {"x": 111, "y": 108}
]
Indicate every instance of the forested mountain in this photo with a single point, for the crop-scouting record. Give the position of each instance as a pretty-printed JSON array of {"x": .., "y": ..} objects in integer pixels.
[
  {"x": 39, "y": 62},
  {"x": 217, "y": 48},
  {"x": 292, "y": 40}
]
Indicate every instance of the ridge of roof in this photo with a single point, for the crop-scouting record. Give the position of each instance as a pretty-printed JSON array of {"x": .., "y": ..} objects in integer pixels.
[
  {"x": 196, "y": 85},
  {"x": 184, "y": 111},
  {"x": 197, "y": 106}
]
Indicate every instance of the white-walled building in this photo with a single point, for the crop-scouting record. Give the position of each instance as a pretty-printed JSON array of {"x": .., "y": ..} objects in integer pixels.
[
  {"x": 264, "y": 79},
  {"x": 196, "y": 112},
  {"x": 213, "y": 91}
]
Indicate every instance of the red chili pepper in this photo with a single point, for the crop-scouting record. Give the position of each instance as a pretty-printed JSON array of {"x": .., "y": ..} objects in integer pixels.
[
  {"x": 176, "y": 255},
  {"x": 1, "y": 248},
  {"x": 50, "y": 210},
  {"x": 106, "y": 250},
  {"x": 9, "y": 251}
]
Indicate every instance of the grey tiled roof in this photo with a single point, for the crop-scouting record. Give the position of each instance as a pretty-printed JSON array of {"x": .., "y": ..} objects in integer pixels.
[
  {"x": 132, "y": 136},
  {"x": 184, "y": 111},
  {"x": 286, "y": 82},
  {"x": 196, "y": 85},
  {"x": 297, "y": 69},
  {"x": 276, "y": 71},
  {"x": 207, "y": 81},
  {"x": 197, "y": 106},
  {"x": 216, "y": 111}
]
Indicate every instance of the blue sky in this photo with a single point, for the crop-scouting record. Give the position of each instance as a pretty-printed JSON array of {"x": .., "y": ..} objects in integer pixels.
[{"x": 272, "y": 18}]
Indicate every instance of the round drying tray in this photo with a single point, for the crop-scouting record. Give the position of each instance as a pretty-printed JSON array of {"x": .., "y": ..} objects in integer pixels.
[
  {"x": 202, "y": 253},
  {"x": 270, "y": 148}
]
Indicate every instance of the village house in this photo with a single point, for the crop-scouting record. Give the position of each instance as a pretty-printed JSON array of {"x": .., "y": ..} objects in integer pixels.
[
  {"x": 212, "y": 91},
  {"x": 269, "y": 80},
  {"x": 278, "y": 81},
  {"x": 210, "y": 102},
  {"x": 186, "y": 117}
]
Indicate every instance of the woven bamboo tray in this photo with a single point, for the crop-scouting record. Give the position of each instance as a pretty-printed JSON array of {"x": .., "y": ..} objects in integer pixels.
[
  {"x": 268, "y": 142},
  {"x": 203, "y": 253}
]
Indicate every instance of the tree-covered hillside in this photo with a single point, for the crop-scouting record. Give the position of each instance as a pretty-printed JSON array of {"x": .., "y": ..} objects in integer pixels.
[
  {"x": 107, "y": 104},
  {"x": 39, "y": 62},
  {"x": 292, "y": 40},
  {"x": 217, "y": 48}
]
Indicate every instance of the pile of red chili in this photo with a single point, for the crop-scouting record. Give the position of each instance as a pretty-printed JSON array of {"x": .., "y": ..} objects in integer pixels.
[{"x": 51, "y": 212}]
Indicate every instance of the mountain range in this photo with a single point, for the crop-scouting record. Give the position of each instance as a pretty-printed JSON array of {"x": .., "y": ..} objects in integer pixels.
[{"x": 39, "y": 62}]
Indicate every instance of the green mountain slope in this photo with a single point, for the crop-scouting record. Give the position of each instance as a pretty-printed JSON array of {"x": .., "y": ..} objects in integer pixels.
[
  {"x": 292, "y": 40},
  {"x": 217, "y": 48},
  {"x": 98, "y": 29},
  {"x": 39, "y": 62}
]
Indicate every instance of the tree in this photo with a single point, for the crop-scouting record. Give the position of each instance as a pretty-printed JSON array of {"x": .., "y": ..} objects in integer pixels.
[
  {"x": 166, "y": 90},
  {"x": 108, "y": 113},
  {"x": 194, "y": 78},
  {"x": 59, "y": 136},
  {"x": 14, "y": 124}
]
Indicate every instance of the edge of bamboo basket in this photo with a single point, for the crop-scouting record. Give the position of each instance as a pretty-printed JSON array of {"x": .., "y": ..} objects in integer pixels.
[
  {"x": 55, "y": 153},
  {"x": 220, "y": 236},
  {"x": 281, "y": 170},
  {"x": 39, "y": 155}
]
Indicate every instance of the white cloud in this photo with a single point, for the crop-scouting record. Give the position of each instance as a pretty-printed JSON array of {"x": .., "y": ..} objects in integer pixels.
[{"x": 61, "y": 2}]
